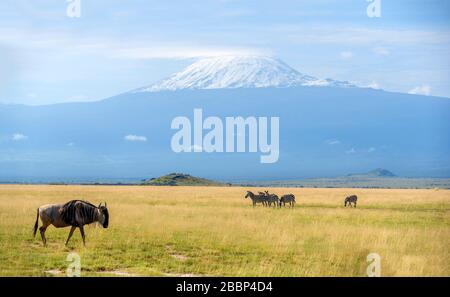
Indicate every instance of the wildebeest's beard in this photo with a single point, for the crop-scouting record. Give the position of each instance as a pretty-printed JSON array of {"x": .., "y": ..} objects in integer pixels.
[{"x": 106, "y": 217}]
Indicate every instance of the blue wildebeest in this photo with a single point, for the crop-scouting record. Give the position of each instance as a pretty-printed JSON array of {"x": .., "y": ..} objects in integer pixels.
[
  {"x": 272, "y": 199},
  {"x": 289, "y": 198},
  {"x": 256, "y": 198},
  {"x": 75, "y": 213},
  {"x": 351, "y": 200}
]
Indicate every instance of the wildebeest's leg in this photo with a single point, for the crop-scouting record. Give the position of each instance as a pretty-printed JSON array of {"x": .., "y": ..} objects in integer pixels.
[
  {"x": 82, "y": 235},
  {"x": 42, "y": 231},
  {"x": 355, "y": 204},
  {"x": 70, "y": 234}
]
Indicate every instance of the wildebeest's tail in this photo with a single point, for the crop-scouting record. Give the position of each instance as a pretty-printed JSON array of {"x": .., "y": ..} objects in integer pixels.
[{"x": 37, "y": 222}]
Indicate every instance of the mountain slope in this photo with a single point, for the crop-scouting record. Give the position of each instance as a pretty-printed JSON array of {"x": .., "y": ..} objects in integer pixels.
[
  {"x": 239, "y": 72},
  {"x": 370, "y": 128},
  {"x": 379, "y": 172},
  {"x": 180, "y": 179}
]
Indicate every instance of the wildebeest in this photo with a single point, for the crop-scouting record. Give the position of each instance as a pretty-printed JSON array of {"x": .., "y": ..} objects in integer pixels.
[
  {"x": 256, "y": 198},
  {"x": 75, "y": 213},
  {"x": 351, "y": 200},
  {"x": 289, "y": 198}
]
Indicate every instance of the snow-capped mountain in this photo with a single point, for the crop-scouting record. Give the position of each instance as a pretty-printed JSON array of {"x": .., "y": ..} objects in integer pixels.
[{"x": 239, "y": 72}]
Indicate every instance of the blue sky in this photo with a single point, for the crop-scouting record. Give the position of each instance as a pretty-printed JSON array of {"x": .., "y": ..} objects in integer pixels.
[{"x": 115, "y": 46}]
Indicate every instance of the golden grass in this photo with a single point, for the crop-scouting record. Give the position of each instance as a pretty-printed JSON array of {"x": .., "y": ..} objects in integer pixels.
[{"x": 215, "y": 231}]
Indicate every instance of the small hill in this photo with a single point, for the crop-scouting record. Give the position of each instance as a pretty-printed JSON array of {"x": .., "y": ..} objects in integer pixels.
[
  {"x": 379, "y": 172},
  {"x": 180, "y": 179}
]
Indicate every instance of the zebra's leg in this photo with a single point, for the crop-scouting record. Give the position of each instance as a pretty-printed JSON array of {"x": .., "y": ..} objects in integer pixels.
[
  {"x": 70, "y": 234},
  {"x": 82, "y": 235}
]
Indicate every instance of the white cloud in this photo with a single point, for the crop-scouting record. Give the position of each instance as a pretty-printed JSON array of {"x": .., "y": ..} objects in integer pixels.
[
  {"x": 351, "y": 151},
  {"x": 78, "y": 98},
  {"x": 183, "y": 52},
  {"x": 371, "y": 150},
  {"x": 360, "y": 36},
  {"x": 347, "y": 55},
  {"x": 19, "y": 137},
  {"x": 132, "y": 137},
  {"x": 238, "y": 13},
  {"x": 332, "y": 141},
  {"x": 382, "y": 51},
  {"x": 139, "y": 48},
  {"x": 374, "y": 85},
  {"x": 421, "y": 90}
]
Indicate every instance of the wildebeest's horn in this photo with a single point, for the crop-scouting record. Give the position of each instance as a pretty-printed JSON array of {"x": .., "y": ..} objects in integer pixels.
[
  {"x": 105, "y": 204},
  {"x": 99, "y": 205}
]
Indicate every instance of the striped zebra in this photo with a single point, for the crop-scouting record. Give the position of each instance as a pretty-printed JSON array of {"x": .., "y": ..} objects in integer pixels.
[
  {"x": 265, "y": 198},
  {"x": 272, "y": 199},
  {"x": 256, "y": 198},
  {"x": 289, "y": 198},
  {"x": 75, "y": 213},
  {"x": 351, "y": 200}
]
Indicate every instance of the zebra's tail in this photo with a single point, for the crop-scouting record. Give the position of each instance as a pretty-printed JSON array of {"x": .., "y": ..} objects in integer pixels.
[{"x": 36, "y": 224}]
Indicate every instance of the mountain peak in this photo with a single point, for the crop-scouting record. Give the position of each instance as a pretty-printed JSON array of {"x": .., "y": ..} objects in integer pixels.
[
  {"x": 239, "y": 72},
  {"x": 180, "y": 179},
  {"x": 379, "y": 172}
]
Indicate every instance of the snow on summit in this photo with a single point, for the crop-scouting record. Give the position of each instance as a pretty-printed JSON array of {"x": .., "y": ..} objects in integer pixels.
[{"x": 239, "y": 72}]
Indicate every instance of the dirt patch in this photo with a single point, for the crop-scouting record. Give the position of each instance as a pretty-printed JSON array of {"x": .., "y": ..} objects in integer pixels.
[
  {"x": 54, "y": 272},
  {"x": 120, "y": 273},
  {"x": 183, "y": 275},
  {"x": 176, "y": 255},
  {"x": 179, "y": 257}
]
